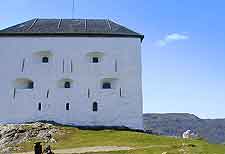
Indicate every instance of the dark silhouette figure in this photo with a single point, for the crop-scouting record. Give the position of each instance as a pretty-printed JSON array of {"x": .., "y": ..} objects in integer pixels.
[{"x": 38, "y": 148}]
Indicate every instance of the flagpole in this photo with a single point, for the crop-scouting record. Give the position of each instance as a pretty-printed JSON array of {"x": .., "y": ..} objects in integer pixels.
[{"x": 73, "y": 9}]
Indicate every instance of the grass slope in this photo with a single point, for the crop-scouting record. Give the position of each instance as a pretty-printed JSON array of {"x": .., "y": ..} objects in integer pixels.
[{"x": 144, "y": 144}]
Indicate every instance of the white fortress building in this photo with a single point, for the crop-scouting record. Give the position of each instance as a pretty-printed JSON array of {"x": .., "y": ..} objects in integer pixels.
[{"x": 82, "y": 72}]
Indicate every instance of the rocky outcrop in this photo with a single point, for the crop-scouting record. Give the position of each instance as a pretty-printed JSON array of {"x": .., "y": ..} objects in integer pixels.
[
  {"x": 14, "y": 134},
  {"x": 189, "y": 135},
  {"x": 174, "y": 124}
]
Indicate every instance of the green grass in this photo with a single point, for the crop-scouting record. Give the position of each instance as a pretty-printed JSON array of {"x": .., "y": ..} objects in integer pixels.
[{"x": 145, "y": 144}]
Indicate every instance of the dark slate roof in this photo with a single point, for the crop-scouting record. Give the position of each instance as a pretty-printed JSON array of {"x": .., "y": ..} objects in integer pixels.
[{"x": 70, "y": 27}]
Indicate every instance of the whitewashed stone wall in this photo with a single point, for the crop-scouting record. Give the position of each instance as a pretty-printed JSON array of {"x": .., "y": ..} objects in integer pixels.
[{"x": 113, "y": 109}]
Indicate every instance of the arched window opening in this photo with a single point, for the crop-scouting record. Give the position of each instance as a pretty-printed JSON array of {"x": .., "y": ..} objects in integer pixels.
[
  {"x": 67, "y": 84},
  {"x": 45, "y": 59},
  {"x": 39, "y": 106},
  {"x": 95, "y": 107},
  {"x": 23, "y": 84},
  {"x": 106, "y": 85},
  {"x": 67, "y": 106}
]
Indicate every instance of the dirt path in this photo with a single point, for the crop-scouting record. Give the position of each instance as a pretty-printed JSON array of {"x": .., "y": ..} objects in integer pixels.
[
  {"x": 98, "y": 149},
  {"x": 87, "y": 149}
]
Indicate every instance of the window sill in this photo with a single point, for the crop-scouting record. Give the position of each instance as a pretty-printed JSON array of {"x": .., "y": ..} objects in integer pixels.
[
  {"x": 66, "y": 88},
  {"x": 21, "y": 90},
  {"x": 95, "y": 63},
  {"x": 107, "y": 89}
]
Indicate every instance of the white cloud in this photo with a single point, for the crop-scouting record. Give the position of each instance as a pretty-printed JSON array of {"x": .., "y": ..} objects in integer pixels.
[{"x": 172, "y": 38}]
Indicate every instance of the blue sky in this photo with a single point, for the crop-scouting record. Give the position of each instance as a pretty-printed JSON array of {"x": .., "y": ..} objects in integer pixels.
[{"x": 183, "y": 52}]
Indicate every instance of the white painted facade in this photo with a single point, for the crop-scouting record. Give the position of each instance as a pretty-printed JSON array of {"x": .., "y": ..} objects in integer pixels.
[{"x": 70, "y": 59}]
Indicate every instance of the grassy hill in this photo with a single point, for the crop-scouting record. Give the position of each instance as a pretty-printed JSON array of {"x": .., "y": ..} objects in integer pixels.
[{"x": 70, "y": 137}]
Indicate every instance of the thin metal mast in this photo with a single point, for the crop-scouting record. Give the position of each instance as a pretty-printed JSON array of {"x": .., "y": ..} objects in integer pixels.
[{"x": 73, "y": 9}]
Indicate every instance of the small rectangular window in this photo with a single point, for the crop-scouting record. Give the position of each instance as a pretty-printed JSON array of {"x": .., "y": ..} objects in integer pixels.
[
  {"x": 67, "y": 85},
  {"x": 95, "y": 107},
  {"x": 44, "y": 59},
  {"x": 95, "y": 60},
  {"x": 106, "y": 85},
  {"x": 67, "y": 106},
  {"x": 39, "y": 106}
]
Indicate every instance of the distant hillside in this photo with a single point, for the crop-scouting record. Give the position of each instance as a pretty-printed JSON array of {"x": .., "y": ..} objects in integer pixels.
[{"x": 174, "y": 124}]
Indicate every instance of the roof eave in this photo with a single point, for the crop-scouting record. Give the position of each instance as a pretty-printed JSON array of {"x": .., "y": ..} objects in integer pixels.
[{"x": 49, "y": 34}]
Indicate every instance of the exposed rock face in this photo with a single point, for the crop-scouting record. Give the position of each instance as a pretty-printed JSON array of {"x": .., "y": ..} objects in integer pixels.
[
  {"x": 175, "y": 124},
  {"x": 13, "y": 134},
  {"x": 189, "y": 135}
]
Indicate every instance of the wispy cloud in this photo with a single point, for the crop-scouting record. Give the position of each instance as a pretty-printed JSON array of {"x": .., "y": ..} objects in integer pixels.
[{"x": 172, "y": 38}]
